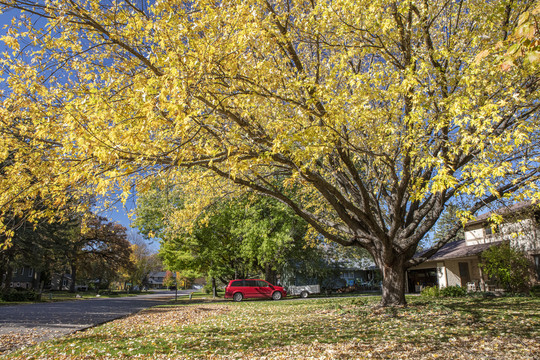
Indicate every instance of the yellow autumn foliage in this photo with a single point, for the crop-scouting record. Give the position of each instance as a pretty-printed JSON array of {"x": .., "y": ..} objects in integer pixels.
[{"x": 366, "y": 117}]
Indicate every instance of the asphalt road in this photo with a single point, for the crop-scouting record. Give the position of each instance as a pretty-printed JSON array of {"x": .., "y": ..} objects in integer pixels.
[{"x": 49, "y": 320}]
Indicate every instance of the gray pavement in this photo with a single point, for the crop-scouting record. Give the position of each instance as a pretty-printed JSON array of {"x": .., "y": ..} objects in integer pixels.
[{"x": 43, "y": 321}]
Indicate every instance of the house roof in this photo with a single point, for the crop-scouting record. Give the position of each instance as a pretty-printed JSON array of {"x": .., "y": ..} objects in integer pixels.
[
  {"x": 155, "y": 274},
  {"x": 501, "y": 211},
  {"x": 460, "y": 249}
]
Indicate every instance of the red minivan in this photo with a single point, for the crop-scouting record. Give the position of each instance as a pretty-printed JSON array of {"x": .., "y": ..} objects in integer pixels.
[{"x": 253, "y": 288}]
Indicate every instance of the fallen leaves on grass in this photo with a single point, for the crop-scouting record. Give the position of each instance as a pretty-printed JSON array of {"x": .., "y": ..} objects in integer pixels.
[
  {"x": 312, "y": 329},
  {"x": 14, "y": 338},
  {"x": 17, "y": 339}
]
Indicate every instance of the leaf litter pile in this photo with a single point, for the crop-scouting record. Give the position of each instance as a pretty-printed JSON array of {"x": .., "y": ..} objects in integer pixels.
[{"x": 340, "y": 328}]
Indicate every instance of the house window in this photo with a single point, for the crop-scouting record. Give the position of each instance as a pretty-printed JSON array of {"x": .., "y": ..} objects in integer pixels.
[
  {"x": 537, "y": 266},
  {"x": 491, "y": 229},
  {"x": 30, "y": 272}
]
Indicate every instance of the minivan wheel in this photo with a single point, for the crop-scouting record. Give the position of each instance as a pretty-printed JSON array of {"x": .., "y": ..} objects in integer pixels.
[
  {"x": 238, "y": 297},
  {"x": 276, "y": 295},
  {"x": 304, "y": 294}
]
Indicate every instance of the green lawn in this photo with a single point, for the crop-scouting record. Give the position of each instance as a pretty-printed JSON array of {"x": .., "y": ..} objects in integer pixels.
[{"x": 337, "y": 328}]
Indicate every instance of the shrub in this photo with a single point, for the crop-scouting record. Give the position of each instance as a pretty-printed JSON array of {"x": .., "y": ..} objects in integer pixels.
[
  {"x": 509, "y": 266},
  {"x": 453, "y": 291},
  {"x": 535, "y": 291},
  {"x": 19, "y": 295},
  {"x": 207, "y": 288},
  {"x": 430, "y": 291}
]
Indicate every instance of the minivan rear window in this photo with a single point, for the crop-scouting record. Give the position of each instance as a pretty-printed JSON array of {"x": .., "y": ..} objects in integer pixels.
[{"x": 237, "y": 283}]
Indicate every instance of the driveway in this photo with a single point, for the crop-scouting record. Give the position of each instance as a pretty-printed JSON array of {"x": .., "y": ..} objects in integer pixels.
[{"x": 31, "y": 323}]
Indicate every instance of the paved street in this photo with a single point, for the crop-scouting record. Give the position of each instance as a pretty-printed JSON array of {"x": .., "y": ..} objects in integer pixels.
[{"x": 43, "y": 321}]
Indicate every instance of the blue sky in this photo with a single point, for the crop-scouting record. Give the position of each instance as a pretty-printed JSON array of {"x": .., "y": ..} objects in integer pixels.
[{"x": 118, "y": 212}]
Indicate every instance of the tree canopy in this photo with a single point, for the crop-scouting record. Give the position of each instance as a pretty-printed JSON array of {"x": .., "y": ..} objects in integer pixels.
[
  {"x": 233, "y": 238},
  {"x": 98, "y": 250},
  {"x": 377, "y": 113}
]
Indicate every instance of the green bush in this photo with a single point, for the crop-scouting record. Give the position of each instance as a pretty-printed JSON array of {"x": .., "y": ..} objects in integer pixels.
[
  {"x": 453, "y": 291},
  {"x": 207, "y": 288},
  {"x": 19, "y": 295},
  {"x": 508, "y": 266},
  {"x": 535, "y": 291},
  {"x": 430, "y": 291}
]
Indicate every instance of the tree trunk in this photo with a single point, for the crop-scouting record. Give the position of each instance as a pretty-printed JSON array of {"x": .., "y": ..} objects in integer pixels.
[
  {"x": 73, "y": 278},
  {"x": 269, "y": 274},
  {"x": 61, "y": 281},
  {"x": 3, "y": 271},
  {"x": 393, "y": 284},
  {"x": 9, "y": 277},
  {"x": 214, "y": 288}
]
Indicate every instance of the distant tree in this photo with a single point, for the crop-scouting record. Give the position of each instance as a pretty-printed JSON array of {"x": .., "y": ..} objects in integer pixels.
[
  {"x": 508, "y": 266},
  {"x": 169, "y": 279},
  {"x": 99, "y": 249},
  {"x": 38, "y": 245},
  {"x": 447, "y": 223},
  {"x": 143, "y": 259},
  {"x": 232, "y": 238}
]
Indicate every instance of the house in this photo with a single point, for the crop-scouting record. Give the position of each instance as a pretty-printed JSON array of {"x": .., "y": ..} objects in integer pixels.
[
  {"x": 61, "y": 281},
  {"x": 155, "y": 279},
  {"x": 332, "y": 270},
  {"x": 362, "y": 272},
  {"x": 25, "y": 278},
  {"x": 457, "y": 263}
]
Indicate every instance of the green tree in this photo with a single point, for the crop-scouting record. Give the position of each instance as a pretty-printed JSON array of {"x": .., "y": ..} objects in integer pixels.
[
  {"x": 508, "y": 266},
  {"x": 448, "y": 221},
  {"x": 233, "y": 238},
  {"x": 378, "y": 112},
  {"x": 39, "y": 245}
]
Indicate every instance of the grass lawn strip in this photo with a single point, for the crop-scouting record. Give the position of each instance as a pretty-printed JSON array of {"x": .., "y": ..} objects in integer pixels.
[{"x": 345, "y": 328}]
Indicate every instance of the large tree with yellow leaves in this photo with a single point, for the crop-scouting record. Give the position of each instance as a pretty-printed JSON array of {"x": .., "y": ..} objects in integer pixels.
[{"x": 365, "y": 117}]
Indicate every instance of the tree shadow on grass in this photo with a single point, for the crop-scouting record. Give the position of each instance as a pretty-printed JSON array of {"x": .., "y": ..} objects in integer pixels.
[{"x": 519, "y": 317}]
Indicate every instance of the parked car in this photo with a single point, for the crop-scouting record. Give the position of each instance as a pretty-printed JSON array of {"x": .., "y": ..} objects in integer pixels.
[{"x": 253, "y": 288}]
